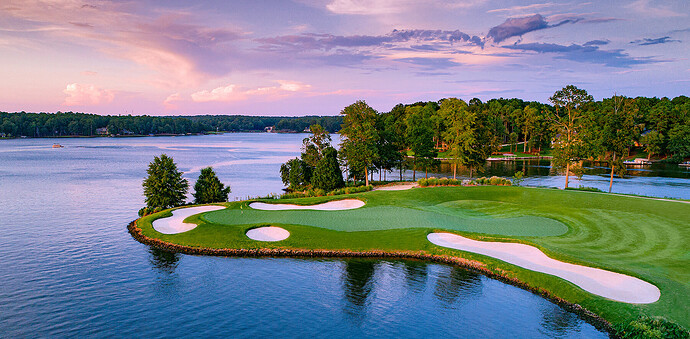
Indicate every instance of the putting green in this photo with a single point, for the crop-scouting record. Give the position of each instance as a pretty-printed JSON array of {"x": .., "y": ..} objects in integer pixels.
[{"x": 392, "y": 217}]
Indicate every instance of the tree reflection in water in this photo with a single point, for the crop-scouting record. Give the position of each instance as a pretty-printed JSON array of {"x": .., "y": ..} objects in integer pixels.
[
  {"x": 415, "y": 275},
  {"x": 358, "y": 284},
  {"x": 557, "y": 322},
  {"x": 457, "y": 284},
  {"x": 164, "y": 261}
]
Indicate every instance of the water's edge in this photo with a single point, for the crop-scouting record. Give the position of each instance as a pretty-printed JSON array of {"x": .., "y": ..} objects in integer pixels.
[{"x": 471, "y": 265}]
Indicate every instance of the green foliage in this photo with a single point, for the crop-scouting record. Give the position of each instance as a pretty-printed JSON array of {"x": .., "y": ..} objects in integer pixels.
[
  {"x": 327, "y": 174},
  {"x": 518, "y": 178},
  {"x": 359, "y": 137},
  {"x": 81, "y": 124},
  {"x": 295, "y": 174},
  {"x": 314, "y": 145},
  {"x": 432, "y": 181},
  {"x": 208, "y": 188},
  {"x": 679, "y": 142},
  {"x": 585, "y": 188},
  {"x": 568, "y": 123},
  {"x": 320, "y": 192},
  {"x": 494, "y": 180},
  {"x": 654, "y": 142},
  {"x": 164, "y": 187},
  {"x": 652, "y": 327}
]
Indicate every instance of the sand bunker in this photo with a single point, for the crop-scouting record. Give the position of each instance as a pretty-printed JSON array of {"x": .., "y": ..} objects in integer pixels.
[
  {"x": 604, "y": 283},
  {"x": 338, "y": 205},
  {"x": 174, "y": 224},
  {"x": 397, "y": 187},
  {"x": 270, "y": 233}
]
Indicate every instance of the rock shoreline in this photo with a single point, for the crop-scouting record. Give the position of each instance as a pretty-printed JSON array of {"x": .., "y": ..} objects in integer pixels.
[{"x": 472, "y": 265}]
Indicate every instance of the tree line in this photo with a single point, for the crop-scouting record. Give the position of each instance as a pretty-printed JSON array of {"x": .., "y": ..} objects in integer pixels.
[
  {"x": 573, "y": 125},
  {"x": 82, "y": 124}
]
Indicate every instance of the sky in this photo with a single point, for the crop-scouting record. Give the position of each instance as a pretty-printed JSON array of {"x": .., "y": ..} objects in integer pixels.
[{"x": 314, "y": 57}]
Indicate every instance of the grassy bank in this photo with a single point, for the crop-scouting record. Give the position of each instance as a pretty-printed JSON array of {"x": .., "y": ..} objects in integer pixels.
[{"x": 640, "y": 237}]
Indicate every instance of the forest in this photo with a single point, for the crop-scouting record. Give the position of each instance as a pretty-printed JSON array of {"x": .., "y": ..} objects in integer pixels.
[
  {"x": 572, "y": 128},
  {"x": 60, "y": 124}
]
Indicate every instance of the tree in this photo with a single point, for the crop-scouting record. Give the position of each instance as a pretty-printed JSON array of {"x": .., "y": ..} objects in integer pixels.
[
  {"x": 679, "y": 142},
  {"x": 327, "y": 175},
  {"x": 359, "y": 137},
  {"x": 569, "y": 145},
  {"x": 314, "y": 146},
  {"x": 615, "y": 125},
  {"x": 654, "y": 142},
  {"x": 420, "y": 136},
  {"x": 459, "y": 135},
  {"x": 295, "y": 173},
  {"x": 164, "y": 187},
  {"x": 208, "y": 188}
]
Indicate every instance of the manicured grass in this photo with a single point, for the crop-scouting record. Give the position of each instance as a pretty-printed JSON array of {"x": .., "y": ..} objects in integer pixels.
[{"x": 641, "y": 237}]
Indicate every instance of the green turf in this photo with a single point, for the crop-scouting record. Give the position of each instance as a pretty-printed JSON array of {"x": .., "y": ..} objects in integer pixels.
[{"x": 641, "y": 237}]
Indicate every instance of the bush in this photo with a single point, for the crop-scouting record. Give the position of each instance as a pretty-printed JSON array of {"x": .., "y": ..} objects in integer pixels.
[
  {"x": 433, "y": 181},
  {"x": 443, "y": 182},
  {"x": 657, "y": 327},
  {"x": 584, "y": 188},
  {"x": 317, "y": 192},
  {"x": 423, "y": 182},
  {"x": 454, "y": 182}
]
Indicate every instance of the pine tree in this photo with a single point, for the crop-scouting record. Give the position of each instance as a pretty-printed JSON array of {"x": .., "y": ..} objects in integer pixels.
[
  {"x": 208, "y": 188},
  {"x": 164, "y": 187}
]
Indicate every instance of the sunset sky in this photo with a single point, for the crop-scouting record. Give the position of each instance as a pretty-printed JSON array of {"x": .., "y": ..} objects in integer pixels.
[{"x": 306, "y": 57}]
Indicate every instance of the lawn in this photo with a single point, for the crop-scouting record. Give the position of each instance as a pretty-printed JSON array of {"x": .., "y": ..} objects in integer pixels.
[{"x": 641, "y": 237}]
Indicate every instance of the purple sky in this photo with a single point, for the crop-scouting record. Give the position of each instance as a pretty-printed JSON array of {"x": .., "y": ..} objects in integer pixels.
[{"x": 316, "y": 56}]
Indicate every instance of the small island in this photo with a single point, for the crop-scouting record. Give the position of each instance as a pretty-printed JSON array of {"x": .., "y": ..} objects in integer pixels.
[{"x": 634, "y": 236}]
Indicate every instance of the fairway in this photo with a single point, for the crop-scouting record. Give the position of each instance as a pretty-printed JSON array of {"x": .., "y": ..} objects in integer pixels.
[{"x": 643, "y": 238}]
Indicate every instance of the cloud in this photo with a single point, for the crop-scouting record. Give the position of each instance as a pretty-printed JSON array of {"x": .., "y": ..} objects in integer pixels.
[
  {"x": 516, "y": 27},
  {"x": 86, "y": 95},
  {"x": 643, "y": 7},
  {"x": 588, "y": 54},
  {"x": 391, "y": 7},
  {"x": 176, "y": 44},
  {"x": 172, "y": 100},
  {"x": 596, "y": 43},
  {"x": 326, "y": 42},
  {"x": 234, "y": 93},
  {"x": 648, "y": 41},
  {"x": 431, "y": 63},
  {"x": 522, "y": 8}
]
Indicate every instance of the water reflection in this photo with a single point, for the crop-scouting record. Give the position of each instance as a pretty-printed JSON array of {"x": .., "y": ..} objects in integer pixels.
[
  {"x": 415, "y": 275},
  {"x": 164, "y": 261},
  {"x": 456, "y": 284},
  {"x": 357, "y": 284},
  {"x": 557, "y": 322}
]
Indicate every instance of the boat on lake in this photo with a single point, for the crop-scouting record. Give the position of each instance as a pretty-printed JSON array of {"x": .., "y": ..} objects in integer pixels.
[
  {"x": 684, "y": 164},
  {"x": 57, "y": 146}
]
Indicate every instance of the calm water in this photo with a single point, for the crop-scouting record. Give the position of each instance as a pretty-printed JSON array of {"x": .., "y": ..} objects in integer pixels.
[{"x": 69, "y": 268}]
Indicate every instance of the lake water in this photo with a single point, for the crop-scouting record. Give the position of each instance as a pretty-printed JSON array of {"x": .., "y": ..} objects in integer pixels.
[{"x": 69, "y": 268}]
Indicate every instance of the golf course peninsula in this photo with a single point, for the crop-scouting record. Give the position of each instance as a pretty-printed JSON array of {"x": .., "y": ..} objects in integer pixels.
[{"x": 613, "y": 259}]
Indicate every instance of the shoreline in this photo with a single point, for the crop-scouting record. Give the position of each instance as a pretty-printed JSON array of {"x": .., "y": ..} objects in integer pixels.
[{"x": 471, "y": 265}]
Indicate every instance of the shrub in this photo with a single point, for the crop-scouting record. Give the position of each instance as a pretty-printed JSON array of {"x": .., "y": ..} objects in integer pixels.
[
  {"x": 518, "y": 178},
  {"x": 454, "y": 182},
  {"x": 656, "y": 327},
  {"x": 423, "y": 182},
  {"x": 433, "y": 181},
  {"x": 584, "y": 188},
  {"x": 443, "y": 182}
]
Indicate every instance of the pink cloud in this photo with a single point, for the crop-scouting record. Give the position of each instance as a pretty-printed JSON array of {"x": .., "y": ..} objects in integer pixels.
[
  {"x": 182, "y": 50},
  {"x": 86, "y": 95},
  {"x": 233, "y": 93}
]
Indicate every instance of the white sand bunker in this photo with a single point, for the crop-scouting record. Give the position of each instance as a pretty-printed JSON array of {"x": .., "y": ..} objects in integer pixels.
[
  {"x": 174, "y": 224},
  {"x": 338, "y": 205},
  {"x": 615, "y": 286},
  {"x": 270, "y": 233},
  {"x": 396, "y": 187}
]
